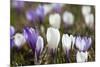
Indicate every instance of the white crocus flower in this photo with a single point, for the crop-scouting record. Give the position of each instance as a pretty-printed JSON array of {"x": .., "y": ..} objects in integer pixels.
[
  {"x": 39, "y": 44},
  {"x": 66, "y": 42},
  {"x": 19, "y": 39},
  {"x": 68, "y": 18},
  {"x": 53, "y": 37},
  {"x": 86, "y": 10},
  {"x": 82, "y": 56},
  {"x": 55, "y": 20},
  {"x": 47, "y": 8},
  {"x": 89, "y": 20}
]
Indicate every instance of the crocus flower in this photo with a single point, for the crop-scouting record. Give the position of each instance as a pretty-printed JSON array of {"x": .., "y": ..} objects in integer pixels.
[
  {"x": 40, "y": 13},
  {"x": 53, "y": 37},
  {"x": 86, "y": 10},
  {"x": 67, "y": 41},
  {"x": 68, "y": 18},
  {"x": 57, "y": 7},
  {"x": 55, "y": 20},
  {"x": 83, "y": 43},
  {"x": 39, "y": 47},
  {"x": 82, "y": 56},
  {"x": 89, "y": 20},
  {"x": 88, "y": 16},
  {"x": 12, "y": 32},
  {"x": 19, "y": 40},
  {"x": 31, "y": 15},
  {"x": 31, "y": 35}
]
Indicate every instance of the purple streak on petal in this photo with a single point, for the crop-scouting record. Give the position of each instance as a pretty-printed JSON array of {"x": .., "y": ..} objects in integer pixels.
[
  {"x": 32, "y": 35},
  {"x": 38, "y": 54},
  {"x": 67, "y": 55}
]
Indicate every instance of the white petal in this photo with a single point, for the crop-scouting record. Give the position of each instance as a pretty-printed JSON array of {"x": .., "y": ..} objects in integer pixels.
[
  {"x": 19, "y": 39},
  {"x": 68, "y": 18},
  {"x": 89, "y": 20},
  {"x": 53, "y": 37},
  {"x": 82, "y": 56},
  {"x": 86, "y": 10},
  {"x": 66, "y": 42},
  {"x": 39, "y": 44},
  {"x": 55, "y": 20}
]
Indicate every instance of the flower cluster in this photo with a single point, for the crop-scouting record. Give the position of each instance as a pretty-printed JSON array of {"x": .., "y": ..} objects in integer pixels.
[{"x": 52, "y": 34}]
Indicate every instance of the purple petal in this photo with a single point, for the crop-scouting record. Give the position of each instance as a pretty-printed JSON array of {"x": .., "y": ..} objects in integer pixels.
[
  {"x": 83, "y": 43},
  {"x": 12, "y": 31},
  {"x": 40, "y": 13},
  {"x": 31, "y": 15},
  {"x": 57, "y": 8},
  {"x": 88, "y": 43},
  {"x": 11, "y": 43},
  {"x": 32, "y": 35}
]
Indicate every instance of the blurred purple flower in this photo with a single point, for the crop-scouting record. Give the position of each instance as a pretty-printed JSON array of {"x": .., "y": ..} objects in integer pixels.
[
  {"x": 18, "y": 4},
  {"x": 12, "y": 32},
  {"x": 83, "y": 43},
  {"x": 31, "y": 15},
  {"x": 34, "y": 15},
  {"x": 31, "y": 36},
  {"x": 57, "y": 7},
  {"x": 40, "y": 13}
]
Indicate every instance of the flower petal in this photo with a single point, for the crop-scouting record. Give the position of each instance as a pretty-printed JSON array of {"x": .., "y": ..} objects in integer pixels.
[
  {"x": 19, "y": 39},
  {"x": 53, "y": 37},
  {"x": 81, "y": 56},
  {"x": 68, "y": 18},
  {"x": 55, "y": 20}
]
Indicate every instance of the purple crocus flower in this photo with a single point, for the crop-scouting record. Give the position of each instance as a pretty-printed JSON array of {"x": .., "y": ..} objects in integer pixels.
[
  {"x": 31, "y": 15},
  {"x": 57, "y": 7},
  {"x": 34, "y": 15},
  {"x": 12, "y": 32},
  {"x": 31, "y": 36},
  {"x": 83, "y": 43},
  {"x": 40, "y": 13}
]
